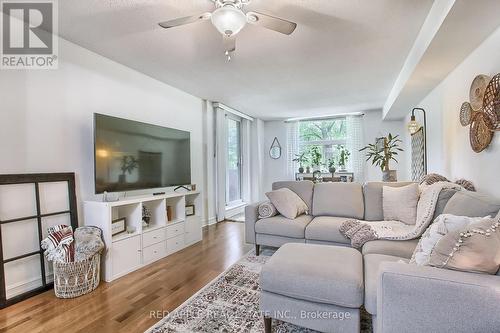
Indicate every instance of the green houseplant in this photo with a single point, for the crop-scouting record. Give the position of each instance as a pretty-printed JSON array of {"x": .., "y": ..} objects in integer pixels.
[
  {"x": 331, "y": 165},
  {"x": 315, "y": 157},
  {"x": 382, "y": 152},
  {"x": 344, "y": 155},
  {"x": 301, "y": 159}
]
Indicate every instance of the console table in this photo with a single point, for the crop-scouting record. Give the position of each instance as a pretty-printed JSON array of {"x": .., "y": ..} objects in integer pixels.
[
  {"x": 139, "y": 246},
  {"x": 340, "y": 176}
]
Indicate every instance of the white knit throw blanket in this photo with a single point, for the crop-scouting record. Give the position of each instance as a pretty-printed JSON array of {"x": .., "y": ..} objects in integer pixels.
[{"x": 360, "y": 232}]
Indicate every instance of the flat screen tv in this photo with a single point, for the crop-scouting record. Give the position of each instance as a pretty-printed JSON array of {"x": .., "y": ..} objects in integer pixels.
[{"x": 130, "y": 155}]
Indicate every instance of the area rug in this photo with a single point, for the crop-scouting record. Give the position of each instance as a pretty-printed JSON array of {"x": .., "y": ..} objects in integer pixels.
[{"x": 230, "y": 303}]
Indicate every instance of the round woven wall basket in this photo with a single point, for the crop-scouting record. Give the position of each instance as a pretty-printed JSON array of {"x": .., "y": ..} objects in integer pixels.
[
  {"x": 491, "y": 103},
  {"x": 480, "y": 134}
]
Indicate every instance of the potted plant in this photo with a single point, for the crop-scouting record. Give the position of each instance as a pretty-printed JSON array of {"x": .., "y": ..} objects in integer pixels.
[
  {"x": 316, "y": 157},
  {"x": 308, "y": 169},
  {"x": 301, "y": 159},
  {"x": 331, "y": 165},
  {"x": 344, "y": 155},
  {"x": 382, "y": 152}
]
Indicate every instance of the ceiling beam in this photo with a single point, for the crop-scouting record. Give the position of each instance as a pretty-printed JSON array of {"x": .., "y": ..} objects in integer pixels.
[{"x": 451, "y": 31}]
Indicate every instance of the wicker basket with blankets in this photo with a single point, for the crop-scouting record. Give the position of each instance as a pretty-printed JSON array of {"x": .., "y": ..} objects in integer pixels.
[{"x": 76, "y": 259}]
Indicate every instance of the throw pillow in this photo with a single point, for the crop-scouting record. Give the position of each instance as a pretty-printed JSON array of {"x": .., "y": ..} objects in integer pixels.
[
  {"x": 287, "y": 202},
  {"x": 475, "y": 248},
  {"x": 266, "y": 210},
  {"x": 400, "y": 203},
  {"x": 443, "y": 224}
]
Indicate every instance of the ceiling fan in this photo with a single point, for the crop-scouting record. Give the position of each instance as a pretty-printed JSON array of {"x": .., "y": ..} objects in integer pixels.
[{"x": 229, "y": 18}]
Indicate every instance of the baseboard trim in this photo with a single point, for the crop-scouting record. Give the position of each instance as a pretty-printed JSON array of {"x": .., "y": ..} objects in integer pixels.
[{"x": 210, "y": 221}]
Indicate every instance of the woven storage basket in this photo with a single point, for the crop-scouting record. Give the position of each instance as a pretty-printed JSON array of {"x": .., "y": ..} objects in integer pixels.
[{"x": 73, "y": 279}]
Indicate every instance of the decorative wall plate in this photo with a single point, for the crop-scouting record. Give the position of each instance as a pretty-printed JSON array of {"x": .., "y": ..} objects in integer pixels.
[
  {"x": 477, "y": 90},
  {"x": 491, "y": 102},
  {"x": 480, "y": 134},
  {"x": 466, "y": 113}
]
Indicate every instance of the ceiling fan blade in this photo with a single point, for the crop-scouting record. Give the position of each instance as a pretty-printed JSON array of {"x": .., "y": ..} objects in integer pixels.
[
  {"x": 185, "y": 20},
  {"x": 229, "y": 43},
  {"x": 271, "y": 22}
]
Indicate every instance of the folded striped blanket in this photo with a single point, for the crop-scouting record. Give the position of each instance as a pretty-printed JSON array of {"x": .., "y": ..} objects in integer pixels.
[
  {"x": 266, "y": 210},
  {"x": 59, "y": 245}
]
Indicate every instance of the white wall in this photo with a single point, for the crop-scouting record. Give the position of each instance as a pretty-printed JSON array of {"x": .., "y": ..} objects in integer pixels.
[
  {"x": 450, "y": 153},
  {"x": 374, "y": 126},
  {"x": 46, "y": 116},
  {"x": 274, "y": 170}
]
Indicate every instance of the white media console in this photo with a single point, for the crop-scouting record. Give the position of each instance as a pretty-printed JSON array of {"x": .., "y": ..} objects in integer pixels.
[{"x": 128, "y": 251}]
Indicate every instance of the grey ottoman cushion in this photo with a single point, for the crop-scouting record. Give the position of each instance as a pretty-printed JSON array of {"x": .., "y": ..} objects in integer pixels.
[
  {"x": 317, "y": 316},
  {"x": 304, "y": 189},
  {"x": 316, "y": 273},
  {"x": 372, "y": 192},
  {"x": 338, "y": 199},
  {"x": 372, "y": 263},
  {"x": 391, "y": 247},
  {"x": 281, "y": 226},
  {"x": 326, "y": 228}
]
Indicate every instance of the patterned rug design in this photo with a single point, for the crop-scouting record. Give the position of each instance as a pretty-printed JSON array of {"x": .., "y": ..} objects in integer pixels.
[{"x": 230, "y": 303}]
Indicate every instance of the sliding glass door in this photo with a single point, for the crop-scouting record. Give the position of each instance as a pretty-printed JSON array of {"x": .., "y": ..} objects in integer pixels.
[{"x": 233, "y": 173}]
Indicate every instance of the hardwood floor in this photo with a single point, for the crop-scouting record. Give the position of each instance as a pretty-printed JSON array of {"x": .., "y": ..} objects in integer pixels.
[{"x": 135, "y": 302}]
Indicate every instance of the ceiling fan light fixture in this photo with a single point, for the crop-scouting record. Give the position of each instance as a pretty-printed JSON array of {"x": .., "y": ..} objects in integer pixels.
[{"x": 228, "y": 20}]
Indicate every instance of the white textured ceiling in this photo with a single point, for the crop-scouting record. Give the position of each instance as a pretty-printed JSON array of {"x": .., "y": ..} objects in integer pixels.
[{"x": 344, "y": 56}]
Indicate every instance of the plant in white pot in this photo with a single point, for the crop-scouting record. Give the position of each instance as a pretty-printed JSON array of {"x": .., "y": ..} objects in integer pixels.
[
  {"x": 382, "y": 152},
  {"x": 344, "y": 155},
  {"x": 316, "y": 157}
]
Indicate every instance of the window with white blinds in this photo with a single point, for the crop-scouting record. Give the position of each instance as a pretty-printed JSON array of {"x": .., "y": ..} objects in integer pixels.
[{"x": 326, "y": 137}]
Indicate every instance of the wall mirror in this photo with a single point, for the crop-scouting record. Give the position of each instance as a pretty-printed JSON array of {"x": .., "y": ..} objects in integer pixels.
[{"x": 275, "y": 150}]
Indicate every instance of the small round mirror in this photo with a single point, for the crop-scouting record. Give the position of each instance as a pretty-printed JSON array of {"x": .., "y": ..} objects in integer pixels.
[{"x": 275, "y": 150}]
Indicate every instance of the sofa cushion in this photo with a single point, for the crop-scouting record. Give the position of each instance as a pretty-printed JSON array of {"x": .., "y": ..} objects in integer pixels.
[
  {"x": 281, "y": 226},
  {"x": 326, "y": 228},
  {"x": 472, "y": 204},
  {"x": 372, "y": 192},
  {"x": 304, "y": 189},
  {"x": 396, "y": 248},
  {"x": 316, "y": 273},
  {"x": 338, "y": 199},
  {"x": 371, "y": 267},
  {"x": 443, "y": 198}
]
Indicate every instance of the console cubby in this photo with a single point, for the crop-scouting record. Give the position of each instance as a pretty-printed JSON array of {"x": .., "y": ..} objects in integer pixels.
[
  {"x": 158, "y": 211},
  {"x": 178, "y": 206},
  {"x": 133, "y": 219}
]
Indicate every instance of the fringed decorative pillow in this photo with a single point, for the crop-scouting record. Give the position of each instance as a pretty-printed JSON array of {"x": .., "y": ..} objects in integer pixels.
[
  {"x": 475, "y": 248},
  {"x": 443, "y": 224}
]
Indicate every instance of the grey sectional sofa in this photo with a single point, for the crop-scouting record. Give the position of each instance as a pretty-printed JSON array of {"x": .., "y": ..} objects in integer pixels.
[{"x": 400, "y": 297}]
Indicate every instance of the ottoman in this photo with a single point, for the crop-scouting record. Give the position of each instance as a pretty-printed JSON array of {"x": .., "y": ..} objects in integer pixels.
[{"x": 314, "y": 286}]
